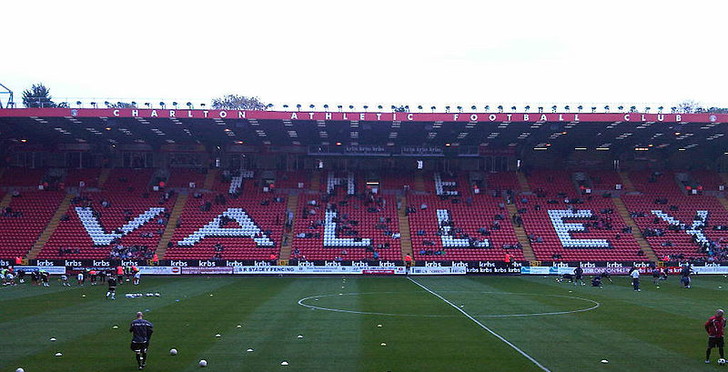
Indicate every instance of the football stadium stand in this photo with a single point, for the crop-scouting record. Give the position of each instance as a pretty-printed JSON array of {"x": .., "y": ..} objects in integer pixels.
[{"x": 117, "y": 184}]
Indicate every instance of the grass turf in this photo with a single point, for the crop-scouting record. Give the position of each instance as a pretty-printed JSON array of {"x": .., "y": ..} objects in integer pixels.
[{"x": 651, "y": 330}]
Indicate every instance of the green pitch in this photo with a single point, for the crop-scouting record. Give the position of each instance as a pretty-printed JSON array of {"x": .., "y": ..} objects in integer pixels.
[{"x": 460, "y": 324}]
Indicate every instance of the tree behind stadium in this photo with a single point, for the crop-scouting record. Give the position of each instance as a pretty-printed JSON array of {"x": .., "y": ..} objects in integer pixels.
[
  {"x": 38, "y": 96},
  {"x": 238, "y": 102}
]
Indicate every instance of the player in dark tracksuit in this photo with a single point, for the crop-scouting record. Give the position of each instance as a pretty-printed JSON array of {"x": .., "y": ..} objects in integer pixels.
[
  {"x": 685, "y": 276},
  {"x": 715, "y": 326},
  {"x": 579, "y": 275},
  {"x": 111, "y": 293},
  {"x": 141, "y": 330}
]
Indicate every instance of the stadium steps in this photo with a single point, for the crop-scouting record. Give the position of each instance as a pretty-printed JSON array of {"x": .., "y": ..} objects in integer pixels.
[
  {"x": 51, "y": 227},
  {"x": 627, "y": 183},
  {"x": 723, "y": 202},
  {"x": 404, "y": 228},
  {"x": 723, "y": 176},
  {"x": 636, "y": 233},
  {"x": 521, "y": 235},
  {"x": 210, "y": 179},
  {"x": 523, "y": 182},
  {"x": 179, "y": 206},
  {"x": 104, "y": 176},
  {"x": 6, "y": 200},
  {"x": 419, "y": 182},
  {"x": 315, "y": 182},
  {"x": 291, "y": 205}
]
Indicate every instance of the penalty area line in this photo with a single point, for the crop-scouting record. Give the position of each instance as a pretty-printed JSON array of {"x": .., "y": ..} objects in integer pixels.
[{"x": 514, "y": 347}]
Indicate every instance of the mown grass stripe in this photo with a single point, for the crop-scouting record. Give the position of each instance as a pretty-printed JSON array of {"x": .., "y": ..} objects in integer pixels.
[{"x": 516, "y": 348}]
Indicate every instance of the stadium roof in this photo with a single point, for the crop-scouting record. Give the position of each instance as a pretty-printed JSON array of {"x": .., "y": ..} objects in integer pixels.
[{"x": 461, "y": 133}]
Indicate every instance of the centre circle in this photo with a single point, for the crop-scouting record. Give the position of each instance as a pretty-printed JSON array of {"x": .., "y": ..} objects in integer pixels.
[{"x": 311, "y": 302}]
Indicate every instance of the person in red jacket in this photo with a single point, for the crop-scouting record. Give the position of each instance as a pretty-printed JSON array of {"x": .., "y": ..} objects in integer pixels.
[{"x": 714, "y": 326}]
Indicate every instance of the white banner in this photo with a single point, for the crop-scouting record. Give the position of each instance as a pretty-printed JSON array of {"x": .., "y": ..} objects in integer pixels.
[
  {"x": 159, "y": 270},
  {"x": 551, "y": 270},
  {"x": 53, "y": 270},
  {"x": 546, "y": 270},
  {"x": 444, "y": 270},
  {"x": 710, "y": 270},
  {"x": 357, "y": 270}
]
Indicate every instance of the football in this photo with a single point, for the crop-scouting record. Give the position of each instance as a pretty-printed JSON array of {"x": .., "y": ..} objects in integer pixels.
[
  {"x": 19, "y": 370},
  {"x": 721, "y": 362},
  {"x": 203, "y": 363},
  {"x": 173, "y": 352}
]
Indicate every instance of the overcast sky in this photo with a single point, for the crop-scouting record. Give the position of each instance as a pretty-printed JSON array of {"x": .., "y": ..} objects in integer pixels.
[{"x": 370, "y": 52}]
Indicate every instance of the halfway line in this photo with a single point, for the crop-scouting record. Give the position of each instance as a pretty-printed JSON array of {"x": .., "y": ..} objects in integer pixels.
[{"x": 516, "y": 348}]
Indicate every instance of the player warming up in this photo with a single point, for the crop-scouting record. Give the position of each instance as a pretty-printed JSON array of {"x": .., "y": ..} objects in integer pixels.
[
  {"x": 714, "y": 326},
  {"x": 137, "y": 275},
  {"x": 141, "y": 330},
  {"x": 635, "y": 274},
  {"x": 111, "y": 293}
]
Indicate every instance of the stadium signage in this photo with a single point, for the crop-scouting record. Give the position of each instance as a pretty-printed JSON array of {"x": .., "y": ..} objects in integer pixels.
[
  {"x": 92, "y": 224},
  {"x": 421, "y": 151},
  {"x": 420, "y": 270},
  {"x": 201, "y": 270},
  {"x": 365, "y": 150},
  {"x": 378, "y": 116},
  {"x": 53, "y": 270},
  {"x": 235, "y": 263},
  {"x": 159, "y": 270},
  {"x": 367, "y": 116},
  {"x": 564, "y": 222},
  {"x": 315, "y": 269}
]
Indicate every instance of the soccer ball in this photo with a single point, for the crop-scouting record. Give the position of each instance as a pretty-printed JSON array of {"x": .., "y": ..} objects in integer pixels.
[
  {"x": 173, "y": 352},
  {"x": 19, "y": 370},
  {"x": 203, "y": 363},
  {"x": 721, "y": 362}
]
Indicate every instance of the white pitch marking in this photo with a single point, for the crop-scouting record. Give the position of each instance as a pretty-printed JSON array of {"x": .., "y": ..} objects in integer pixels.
[
  {"x": 516, "y": 348},
  {"x": 316, "y": 298}
]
